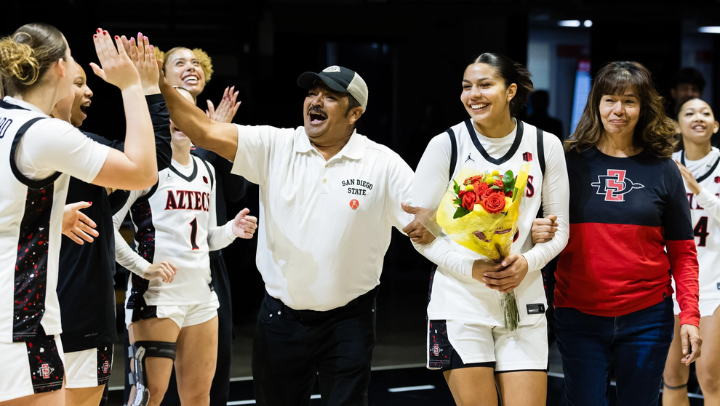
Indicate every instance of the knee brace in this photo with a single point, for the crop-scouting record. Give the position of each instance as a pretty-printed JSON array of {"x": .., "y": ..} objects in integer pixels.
[{"x": 138, "y": 352}]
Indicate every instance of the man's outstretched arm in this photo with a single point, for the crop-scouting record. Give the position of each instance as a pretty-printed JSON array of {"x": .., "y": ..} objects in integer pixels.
[{"x": 221, "y": 138}]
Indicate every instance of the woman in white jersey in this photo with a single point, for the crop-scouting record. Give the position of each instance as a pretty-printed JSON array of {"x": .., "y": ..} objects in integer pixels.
[
  {"x": 699, "y": 164},
  {"x": 466, "y": 337},
  {"x": 192, "y": 70},
  {"x": 38, "y": 155},
  {"x": 171, "y": 306}
]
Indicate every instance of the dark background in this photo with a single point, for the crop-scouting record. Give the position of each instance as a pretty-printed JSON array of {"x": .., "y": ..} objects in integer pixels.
[{"x": 411, "y": 53}]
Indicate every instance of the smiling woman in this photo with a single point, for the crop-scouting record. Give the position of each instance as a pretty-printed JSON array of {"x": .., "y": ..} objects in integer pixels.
[
  {"x": 628, "y": 87},
  {"x": 466, "y": 334},
  {"x": 188, "y": 68},
  {"x": 623, "y": 183}
]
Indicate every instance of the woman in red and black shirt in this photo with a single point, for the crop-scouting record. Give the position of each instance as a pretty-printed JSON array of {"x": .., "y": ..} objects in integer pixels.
[{"x": 630, "y": 231}]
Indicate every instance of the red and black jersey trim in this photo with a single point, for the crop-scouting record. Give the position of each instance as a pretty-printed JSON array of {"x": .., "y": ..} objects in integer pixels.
[
  {"x": 210, "y": 174},
  {"x": 511, "y": 152},
  {"x": 46, "y": 366},
  {"x": 145, "y": 239},
  {"x": 31, "y": 264}
]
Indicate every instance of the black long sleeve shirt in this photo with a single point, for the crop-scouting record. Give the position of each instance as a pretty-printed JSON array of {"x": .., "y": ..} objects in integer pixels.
[{"x": 85, "y": 282}]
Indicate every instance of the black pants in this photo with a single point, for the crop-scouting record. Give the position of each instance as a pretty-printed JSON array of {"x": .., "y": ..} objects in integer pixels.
[
  {"x": 221, "y": 381},
  {"x": 292, "y": 347}
]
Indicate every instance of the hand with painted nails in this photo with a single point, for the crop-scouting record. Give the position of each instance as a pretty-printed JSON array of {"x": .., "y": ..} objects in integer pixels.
[
  {"x": 76, "y": 225},
  {"x": 143, "y": 56},
  {"x": 115, "y": 67},
  {"x": 227, "y": 108}
]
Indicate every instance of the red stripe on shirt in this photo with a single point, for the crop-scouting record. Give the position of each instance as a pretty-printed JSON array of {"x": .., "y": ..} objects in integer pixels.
[{"x": 614, "y": 269}]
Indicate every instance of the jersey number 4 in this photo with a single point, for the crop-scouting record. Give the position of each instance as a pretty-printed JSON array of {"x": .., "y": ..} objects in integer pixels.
[
  {"x": 701, "y": 231},
  {"x": 193, "y": 234}
]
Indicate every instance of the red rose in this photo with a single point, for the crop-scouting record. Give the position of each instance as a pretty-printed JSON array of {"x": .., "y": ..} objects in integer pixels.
[
  {"x": 462, "y": 192},
  {"x": 468, "y": 200},
  {"x": 494, "y": 203},
  {"x": 499, "y": 183},
  {"x": 509, "y": 193},
  {"x": 480, "y": 186},
  {"x": 487, "y": 193}
]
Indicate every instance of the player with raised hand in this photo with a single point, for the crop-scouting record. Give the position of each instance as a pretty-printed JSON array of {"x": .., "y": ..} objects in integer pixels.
[
  {"x": 89, "y": 322},
  {"x": 171, "y": 305},
  {"x": 42, "y": 153}
]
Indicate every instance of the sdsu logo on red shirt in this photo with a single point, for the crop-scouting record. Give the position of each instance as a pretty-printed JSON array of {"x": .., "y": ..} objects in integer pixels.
[{"x": 615, "y": 185}]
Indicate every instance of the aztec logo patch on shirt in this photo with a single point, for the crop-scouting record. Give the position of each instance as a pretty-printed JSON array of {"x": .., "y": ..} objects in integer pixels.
[{"x": 615, "y": 185}]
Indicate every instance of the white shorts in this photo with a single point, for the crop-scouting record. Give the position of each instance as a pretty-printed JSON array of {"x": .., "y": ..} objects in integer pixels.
[
  {"x": 454, "y": 344},
  {"x": 183, "y": 316},
  {"x": 707, "y": 306},
  {"x": 31, "y": 367},
  {"x": 88, "y": 368}
]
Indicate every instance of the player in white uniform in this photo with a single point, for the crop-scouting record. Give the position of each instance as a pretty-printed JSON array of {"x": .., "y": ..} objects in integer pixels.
[
  {"x": 170, "y": 302},
  {"x": 466, "y": 337},
  {"x": 699, "y": 164},
  {"x": 192, "y": 70},
  {"x": 39, "y": 154}
]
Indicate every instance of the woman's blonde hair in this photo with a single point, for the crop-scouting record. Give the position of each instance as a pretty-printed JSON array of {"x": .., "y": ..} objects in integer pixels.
[
  {"x": 202, "y": 56},
  {"x": 26, "y": 55}
]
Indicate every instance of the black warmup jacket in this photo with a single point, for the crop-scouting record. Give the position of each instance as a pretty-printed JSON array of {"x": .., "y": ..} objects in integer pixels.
[{"x": 85, "y": 278}]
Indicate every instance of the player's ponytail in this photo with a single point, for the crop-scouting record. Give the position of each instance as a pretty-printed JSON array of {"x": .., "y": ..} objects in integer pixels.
[
  {"x": 26, "y": 55},
  {"x": 511, "y": 72}
]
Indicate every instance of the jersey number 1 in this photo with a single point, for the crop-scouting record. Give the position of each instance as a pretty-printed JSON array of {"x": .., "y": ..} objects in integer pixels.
[
  {"x": 193, "y": 234},
  {"x": 701, "y": 231}
]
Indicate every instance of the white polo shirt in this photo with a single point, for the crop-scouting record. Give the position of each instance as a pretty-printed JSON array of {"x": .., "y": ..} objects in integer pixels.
[{"x": 324, "y": 225}]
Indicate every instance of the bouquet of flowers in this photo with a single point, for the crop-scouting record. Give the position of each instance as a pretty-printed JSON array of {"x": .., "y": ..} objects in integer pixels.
[{"x": 480, "y": 212}]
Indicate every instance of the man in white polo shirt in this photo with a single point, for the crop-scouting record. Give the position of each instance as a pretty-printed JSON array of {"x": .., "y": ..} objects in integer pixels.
[{"x": 329, "y": 198}]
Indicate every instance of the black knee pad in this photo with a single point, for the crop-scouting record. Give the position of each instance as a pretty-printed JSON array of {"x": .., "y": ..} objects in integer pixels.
[{"x": 138, "y": 352}]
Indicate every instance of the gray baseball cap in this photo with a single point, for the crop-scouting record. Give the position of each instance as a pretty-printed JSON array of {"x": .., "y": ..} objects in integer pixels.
[{"x": 339, "y": 79}]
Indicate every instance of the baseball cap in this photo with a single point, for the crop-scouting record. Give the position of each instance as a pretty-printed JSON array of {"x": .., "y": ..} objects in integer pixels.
[{"x": 339, "y": 79}]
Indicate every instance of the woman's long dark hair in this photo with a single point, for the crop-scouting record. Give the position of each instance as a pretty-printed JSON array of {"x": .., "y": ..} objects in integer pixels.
[{"x": 654, "y": 131}]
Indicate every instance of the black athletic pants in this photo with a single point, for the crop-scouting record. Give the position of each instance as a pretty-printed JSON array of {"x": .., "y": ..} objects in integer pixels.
[
  {"x": 221, "y": 381},
  {"x": 292, "y": 347}
]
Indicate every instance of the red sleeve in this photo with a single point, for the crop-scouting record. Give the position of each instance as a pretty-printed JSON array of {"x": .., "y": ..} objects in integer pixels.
[
  {"x": 680, "y": 243},
  {"x": 684, "y": 269}
]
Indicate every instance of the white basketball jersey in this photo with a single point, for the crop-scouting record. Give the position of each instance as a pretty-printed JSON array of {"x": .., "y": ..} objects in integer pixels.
[
  {"x": 30, "y": 233},
  {"x": 171, "y": 223},
  {"x": 707, "y": 227},
  {"x": 455, "y": 298}
]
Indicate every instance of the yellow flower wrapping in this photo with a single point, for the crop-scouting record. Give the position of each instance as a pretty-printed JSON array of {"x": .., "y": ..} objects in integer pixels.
[{"x": 499, "y": 229}]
